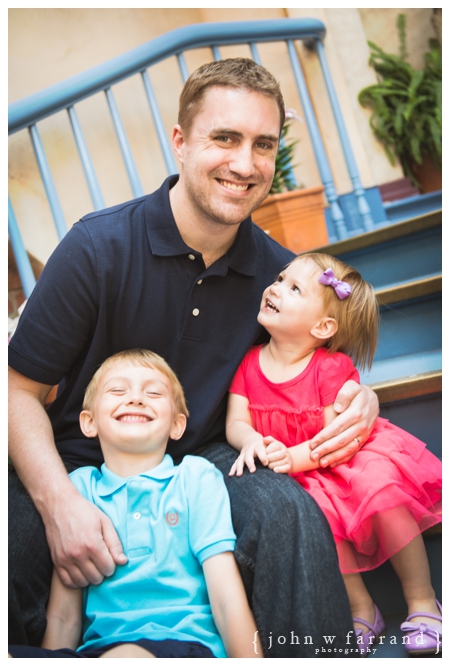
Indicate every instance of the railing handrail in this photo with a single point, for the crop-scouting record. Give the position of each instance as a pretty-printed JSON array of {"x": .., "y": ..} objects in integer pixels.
[{"x": 33, "y": 108}]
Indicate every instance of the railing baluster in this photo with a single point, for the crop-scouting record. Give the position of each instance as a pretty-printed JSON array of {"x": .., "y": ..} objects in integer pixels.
[
  {"x": 49, "y": 185},
  {"x": 159, "y": 125},
  {"x": 216, "y": 53},
  {"x": 88, "y": 167},
  {"x": 358, "y": 189},
  {"x": 183, "y": 67},
  {"x": 21, "y": 256},
  {"x": 319, "y": 149},
  {"x": 124, "y": 145}
]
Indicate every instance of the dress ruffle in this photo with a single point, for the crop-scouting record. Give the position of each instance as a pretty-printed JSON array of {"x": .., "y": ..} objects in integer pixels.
[{"x": 377, "y": 502}]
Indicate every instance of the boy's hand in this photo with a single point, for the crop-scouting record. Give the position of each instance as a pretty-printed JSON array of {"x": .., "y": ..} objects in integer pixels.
[
  {"x": 279, "y": 456},
  {"x": 255, "y": 448}
]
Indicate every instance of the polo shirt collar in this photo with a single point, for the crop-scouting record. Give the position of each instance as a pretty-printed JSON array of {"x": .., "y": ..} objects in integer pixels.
[
  {"x": 165, "y": 239},
  {"x": 110, "y": 482}
]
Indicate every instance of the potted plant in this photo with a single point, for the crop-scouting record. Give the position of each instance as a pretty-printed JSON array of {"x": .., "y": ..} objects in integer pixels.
[
  {"x": 292, "y": 214},
  {"x": 406, "y": 108}
]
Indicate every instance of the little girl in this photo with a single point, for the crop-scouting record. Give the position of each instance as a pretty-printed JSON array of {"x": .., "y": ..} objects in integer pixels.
[{"x": 379, "y": 502}]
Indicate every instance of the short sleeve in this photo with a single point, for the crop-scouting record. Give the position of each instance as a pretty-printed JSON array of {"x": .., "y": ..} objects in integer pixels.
[
  {"x": 61, "y": 312},
  {"x": 333, "y": 371},
  {"x": 239, "y": 383},
  {"x": 83, "y": 479},
  {"x": 210, "y": 526}
]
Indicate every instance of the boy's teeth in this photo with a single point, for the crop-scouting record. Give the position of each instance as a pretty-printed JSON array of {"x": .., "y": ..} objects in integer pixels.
[
  {"x": 271, "y": 306},
  {"x": 232, "y": 186}
]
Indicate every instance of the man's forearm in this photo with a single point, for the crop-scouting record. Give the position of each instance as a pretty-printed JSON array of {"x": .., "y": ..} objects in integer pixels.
[{"x": 32, "y": 448}]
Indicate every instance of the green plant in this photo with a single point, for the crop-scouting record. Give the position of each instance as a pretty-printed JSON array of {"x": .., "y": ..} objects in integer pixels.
[
  {"x": 406, "y": 103},
  {"x": 283, "y": 180}
]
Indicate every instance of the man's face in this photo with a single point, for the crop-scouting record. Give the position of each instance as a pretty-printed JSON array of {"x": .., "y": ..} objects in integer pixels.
[{"x": 228, "y": 158}]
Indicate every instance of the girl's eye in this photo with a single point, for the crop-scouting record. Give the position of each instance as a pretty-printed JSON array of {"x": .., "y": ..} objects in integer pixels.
[
  {"x": 295, "y": 288},
  {"x": 279, "y": 279}
]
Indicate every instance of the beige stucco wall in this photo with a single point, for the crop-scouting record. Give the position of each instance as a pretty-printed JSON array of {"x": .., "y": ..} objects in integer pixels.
[{"x": 49, "y": 45}]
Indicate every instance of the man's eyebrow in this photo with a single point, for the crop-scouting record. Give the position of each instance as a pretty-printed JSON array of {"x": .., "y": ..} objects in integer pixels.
[{"x": 227, "y": 130}]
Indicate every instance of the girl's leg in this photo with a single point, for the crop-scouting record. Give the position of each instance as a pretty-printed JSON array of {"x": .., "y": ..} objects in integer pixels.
[
  {"x": 128, "y": 650},
  {"x": 412, "y": 568},
  {"x": 361, "y": 603}
]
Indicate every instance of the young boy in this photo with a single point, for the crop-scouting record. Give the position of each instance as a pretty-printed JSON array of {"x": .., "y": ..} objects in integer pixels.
[{"x": 174, "y": 524}]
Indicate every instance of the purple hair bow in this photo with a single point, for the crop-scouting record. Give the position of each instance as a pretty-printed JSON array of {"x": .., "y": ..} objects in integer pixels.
[{"x": 342, "y": 289}]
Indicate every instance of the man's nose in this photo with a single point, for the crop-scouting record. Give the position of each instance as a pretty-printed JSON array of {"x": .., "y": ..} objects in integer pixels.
[{"x": 242, "y": 162}]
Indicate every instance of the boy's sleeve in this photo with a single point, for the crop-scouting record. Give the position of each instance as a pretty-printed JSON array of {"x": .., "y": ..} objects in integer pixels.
[
  {"x": 332, "y": 374},
  {"x": 210, "y": 526}
]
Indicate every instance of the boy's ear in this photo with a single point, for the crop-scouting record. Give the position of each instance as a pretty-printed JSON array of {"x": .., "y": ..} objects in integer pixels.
[
  {"x": 87, "y": 424},
  {"x": 179, "y": 426},
  {"x": 325, "y": 328}
]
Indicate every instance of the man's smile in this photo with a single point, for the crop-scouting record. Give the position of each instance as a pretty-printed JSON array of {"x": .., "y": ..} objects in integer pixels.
[{"x": 234, "y": 186}]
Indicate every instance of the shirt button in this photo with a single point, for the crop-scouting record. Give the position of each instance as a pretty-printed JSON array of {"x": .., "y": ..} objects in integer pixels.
[
  {"x": 196, "y": 312},
  {"x": 191, "y": 257},
  {"x": 136, "y": 515},
  {"x": 199, "y": 281}
]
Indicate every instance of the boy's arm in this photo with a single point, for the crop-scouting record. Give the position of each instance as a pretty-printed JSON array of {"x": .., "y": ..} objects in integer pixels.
[
  {"x": 64, "y": 611},
  {"x": 230, "y": 609}
]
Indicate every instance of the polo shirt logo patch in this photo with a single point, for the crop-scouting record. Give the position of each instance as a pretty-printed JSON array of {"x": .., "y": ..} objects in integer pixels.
[{"x": 172, "y": 518}]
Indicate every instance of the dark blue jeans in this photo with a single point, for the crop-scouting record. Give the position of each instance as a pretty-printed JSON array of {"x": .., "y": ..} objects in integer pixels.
[
  {"x": 285, "y": 551},
  {"x": 287, "y": 558}
]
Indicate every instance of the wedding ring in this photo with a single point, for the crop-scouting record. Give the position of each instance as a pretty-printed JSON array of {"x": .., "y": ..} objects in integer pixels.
[{"x": 357, "y": 439}]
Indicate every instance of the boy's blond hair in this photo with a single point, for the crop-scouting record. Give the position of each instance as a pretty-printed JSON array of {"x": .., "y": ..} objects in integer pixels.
[
  {"x": 140, "y": 357},
  {"x": 357, "y": 315},
  {"x": 229, "y": 73}
]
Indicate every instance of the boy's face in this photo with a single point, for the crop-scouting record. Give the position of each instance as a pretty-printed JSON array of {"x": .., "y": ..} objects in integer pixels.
[{"x": 134, "y": 410}]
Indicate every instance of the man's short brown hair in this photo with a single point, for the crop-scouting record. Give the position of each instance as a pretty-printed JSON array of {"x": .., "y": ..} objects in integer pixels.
[{"x": 230, "y": 73}]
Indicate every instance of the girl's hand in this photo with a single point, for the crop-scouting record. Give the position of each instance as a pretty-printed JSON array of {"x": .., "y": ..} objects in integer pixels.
[
  {"x": 253, "y": 449},
  {"x": 279, "y": 456}
]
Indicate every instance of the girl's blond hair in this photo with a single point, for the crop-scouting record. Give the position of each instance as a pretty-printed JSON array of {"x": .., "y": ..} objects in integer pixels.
[
  {"x": 139, "y": 357},
  {"x": 356, "y": 316}
]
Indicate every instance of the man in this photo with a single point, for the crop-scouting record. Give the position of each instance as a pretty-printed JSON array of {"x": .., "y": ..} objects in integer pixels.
[{"x": 180, "y": 272}]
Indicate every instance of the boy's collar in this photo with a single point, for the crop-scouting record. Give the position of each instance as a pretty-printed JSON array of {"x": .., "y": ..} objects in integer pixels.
[{"x": 111, "y": 482}]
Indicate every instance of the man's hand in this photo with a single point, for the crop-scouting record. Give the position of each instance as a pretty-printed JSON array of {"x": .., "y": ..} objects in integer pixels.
[
  {"x": 279, "y": 456},
  {"x": 338, "y": 442},
  {"x": 84, "y": 545}
]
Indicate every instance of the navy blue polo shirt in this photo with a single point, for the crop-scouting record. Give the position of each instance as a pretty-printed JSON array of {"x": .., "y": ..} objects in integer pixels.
[{"x": 123, "y": 278}]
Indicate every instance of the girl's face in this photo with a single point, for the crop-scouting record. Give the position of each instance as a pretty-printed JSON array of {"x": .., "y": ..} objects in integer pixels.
[{"x": 293, "y": 304}]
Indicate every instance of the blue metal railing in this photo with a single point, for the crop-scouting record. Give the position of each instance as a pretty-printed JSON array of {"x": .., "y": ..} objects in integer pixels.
[{"x": 27, "y": 112}]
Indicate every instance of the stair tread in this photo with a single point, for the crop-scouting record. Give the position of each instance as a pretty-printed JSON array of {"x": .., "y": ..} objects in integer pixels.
[{"x": 409, "y": 365}]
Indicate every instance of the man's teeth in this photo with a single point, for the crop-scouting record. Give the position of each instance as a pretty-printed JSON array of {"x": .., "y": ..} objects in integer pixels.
[{"x": 233, "y": 186}]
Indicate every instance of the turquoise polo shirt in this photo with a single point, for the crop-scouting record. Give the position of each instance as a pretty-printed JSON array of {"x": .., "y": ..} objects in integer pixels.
[{"x": 169, "y": 520}]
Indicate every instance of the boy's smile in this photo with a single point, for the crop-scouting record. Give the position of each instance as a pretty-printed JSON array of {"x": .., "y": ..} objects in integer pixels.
[{"x": 133, "y": 412}]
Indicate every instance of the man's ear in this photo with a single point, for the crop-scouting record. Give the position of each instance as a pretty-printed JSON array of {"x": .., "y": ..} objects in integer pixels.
[
  {"x": 325, "y": 328},
  {"x": 87, "y": 424},
  {"x": 178, "y": 143},
  {"x": 179, "y": 426}
]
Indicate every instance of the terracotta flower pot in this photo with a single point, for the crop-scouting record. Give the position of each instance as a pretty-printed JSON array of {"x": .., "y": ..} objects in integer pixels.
[
  {"x": 428, "y": 175},
  {"x": 295, "y": 219}
]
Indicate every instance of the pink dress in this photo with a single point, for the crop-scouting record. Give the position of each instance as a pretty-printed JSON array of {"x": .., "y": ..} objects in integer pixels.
[{"x": 379, "y": 501}]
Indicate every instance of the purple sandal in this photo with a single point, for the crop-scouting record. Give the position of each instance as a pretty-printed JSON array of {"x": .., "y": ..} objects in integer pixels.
[
  {"x": 424, "y": 637},
  {"x": 369, "y": 638}
]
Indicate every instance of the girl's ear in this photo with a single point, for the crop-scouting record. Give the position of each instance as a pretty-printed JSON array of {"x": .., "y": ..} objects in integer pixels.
[
  {"x": 87, "y": 424},
  {"x": 178, "y": 427},
  {"x": 325, "y": 328}
]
